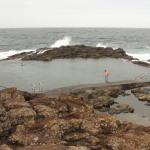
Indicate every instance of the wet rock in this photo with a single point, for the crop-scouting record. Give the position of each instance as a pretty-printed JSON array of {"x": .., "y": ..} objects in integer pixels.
[
  {"x": 147, "y": 104},
  {"x": 117, "y": 109},
  {"x": 77, "y": 51},
  {"x": 143, "y": 94},
  {"x": 103, "y": 103},
  {"x": 141, "y": 63}
]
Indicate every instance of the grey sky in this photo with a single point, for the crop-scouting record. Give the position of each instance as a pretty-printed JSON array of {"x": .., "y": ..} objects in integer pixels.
[{"x": 75, "y": 13}]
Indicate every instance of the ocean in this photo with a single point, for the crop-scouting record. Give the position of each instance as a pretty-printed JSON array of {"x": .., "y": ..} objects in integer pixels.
[
  {"x": 43, "y": 76},
  {"x": 38, "y": 76},
  {"x": 136, "y": 42}
]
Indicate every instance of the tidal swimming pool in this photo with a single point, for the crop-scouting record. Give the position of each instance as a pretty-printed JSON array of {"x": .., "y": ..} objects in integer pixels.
[{"x": 37, "y": 75}]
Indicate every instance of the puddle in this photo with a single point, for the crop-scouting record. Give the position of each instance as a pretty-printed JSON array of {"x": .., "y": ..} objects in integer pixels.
[{"x": 141, "y": 113}]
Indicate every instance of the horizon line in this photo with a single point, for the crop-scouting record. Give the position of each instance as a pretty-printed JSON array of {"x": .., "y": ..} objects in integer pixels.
[{"x": 75, "y": 27}]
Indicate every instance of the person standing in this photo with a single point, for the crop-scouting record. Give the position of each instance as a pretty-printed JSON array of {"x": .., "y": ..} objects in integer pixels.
[{"x": 106, "y": 75}]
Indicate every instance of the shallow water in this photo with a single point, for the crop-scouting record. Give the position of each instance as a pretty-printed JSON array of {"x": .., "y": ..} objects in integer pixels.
[
  {"x": 141, "y": 113},
  {"x": 29, "y": 75}
]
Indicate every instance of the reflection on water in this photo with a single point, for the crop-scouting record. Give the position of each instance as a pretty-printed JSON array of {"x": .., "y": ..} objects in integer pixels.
[
  {"x": 58, "y": 73},
  {"x": 141, "y": 113}
]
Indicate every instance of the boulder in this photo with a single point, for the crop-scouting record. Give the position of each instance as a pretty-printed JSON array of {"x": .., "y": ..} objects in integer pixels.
[
  {"x": 11, "y": 93},
  {"x": 45, "y": 111},
  {"x": 35, "y": 122},
  {"x": 14, "y": 104},
  {"x": 143, "y": 94},
  {"x": 103, "y": 102},
  {"x": 121, "y": 108},
  {"x": 21, "y": 115},
  {"x": 5, "y": 123},
  {"x": 22, "y": 137}
]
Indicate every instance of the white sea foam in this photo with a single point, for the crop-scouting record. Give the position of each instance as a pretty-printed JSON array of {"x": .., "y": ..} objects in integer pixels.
[
  {"x": 147, "y": 47},
  {"x": 142, "y": 57},
  {"x": 62, "y": 42},
  {"x": 6, "y": 54},
  {"x": 42, "y": 51},
  {"x": 101, "y": 45}
]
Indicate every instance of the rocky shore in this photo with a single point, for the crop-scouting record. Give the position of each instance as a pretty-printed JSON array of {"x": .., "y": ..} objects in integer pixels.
[
  {"x": 71, "y": 121},
  {"x": 143, "y": 94},
  {"x": 77, "y": 51}
]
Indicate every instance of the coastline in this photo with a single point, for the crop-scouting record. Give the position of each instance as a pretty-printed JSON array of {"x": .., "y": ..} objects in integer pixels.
[{"x": 78, "y": 117}]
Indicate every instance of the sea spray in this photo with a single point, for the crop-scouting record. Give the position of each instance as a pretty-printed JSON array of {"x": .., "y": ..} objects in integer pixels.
[
  {"x": 6, "y": 54},
  {"x": 140, "y": 56},
  {"x": 62, "y": 42},
  {"x": 101, "y": 45}
]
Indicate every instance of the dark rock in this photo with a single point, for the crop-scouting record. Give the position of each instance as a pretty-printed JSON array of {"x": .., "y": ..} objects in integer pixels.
[
  {"x": 103, "y": 102},
  {"x": 141, "y": 63},
  {"x": 77, "y": 51}
]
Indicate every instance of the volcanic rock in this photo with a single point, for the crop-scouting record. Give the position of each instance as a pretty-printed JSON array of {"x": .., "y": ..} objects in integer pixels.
[
  {"x": 69, "y": 122},
  {"x": 141, "y": 63},
  {"x": 77, "y": 51}
]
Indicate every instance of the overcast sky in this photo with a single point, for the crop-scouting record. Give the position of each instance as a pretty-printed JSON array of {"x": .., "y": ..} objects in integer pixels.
[{"x": 75, "y": 13}]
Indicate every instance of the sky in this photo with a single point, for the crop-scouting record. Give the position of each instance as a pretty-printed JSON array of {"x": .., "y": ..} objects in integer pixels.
[{"x": 74, "y": 13}]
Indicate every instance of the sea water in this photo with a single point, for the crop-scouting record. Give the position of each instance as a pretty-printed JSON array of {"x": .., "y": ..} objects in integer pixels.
[
  {"x": 136, "y": 42},
  {"x": 29, "y": 75}
]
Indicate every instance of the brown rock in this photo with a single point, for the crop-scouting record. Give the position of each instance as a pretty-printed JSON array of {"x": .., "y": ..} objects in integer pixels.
[
  {"x": 21, "y": 115},
  {"x": 45, "y": 111},
  {"x": 143, "y": 94},
  {"x": 77, "y": 148},
  {"x": 11, "y": 93},
  {"x": 5, "y": 124},
  {"x": 130, "y": 141},
  {"x": 36, "y": 122},
  {"x": 117, "y": 109},
  {"x": 11, "y": 104},
  {"x": 22, "y": 137},
  {"x": 5, "y": 147}
]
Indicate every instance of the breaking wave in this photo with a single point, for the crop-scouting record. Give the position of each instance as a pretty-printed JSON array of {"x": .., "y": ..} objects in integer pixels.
[
  {"x": 6, "y": 54},
  {"x": 142, "y": 57},
  {"x": 101, "y": 45},
  {"x": 62, "y": 42}
]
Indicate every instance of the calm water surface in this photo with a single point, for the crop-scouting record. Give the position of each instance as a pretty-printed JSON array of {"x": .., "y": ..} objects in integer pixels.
[{"x": 59, "y": 73}]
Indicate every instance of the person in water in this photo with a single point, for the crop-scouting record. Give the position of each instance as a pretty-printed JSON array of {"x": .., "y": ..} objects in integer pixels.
[{"x": 106, "y": 75}]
